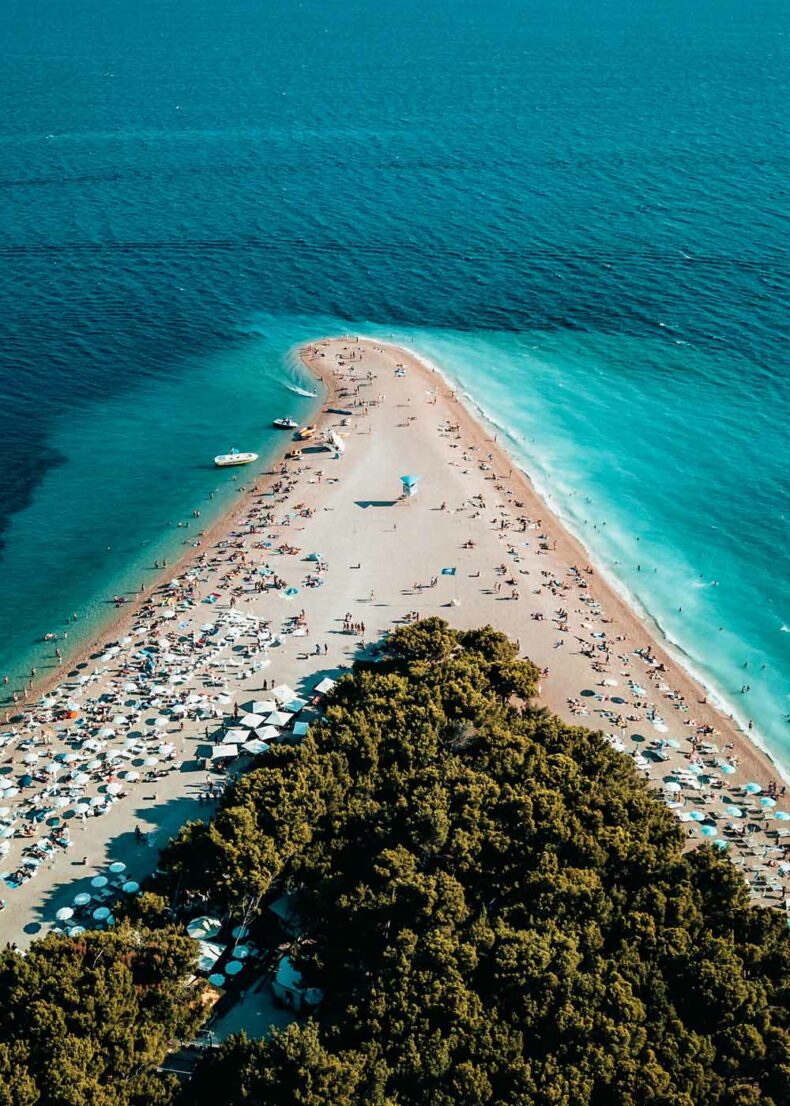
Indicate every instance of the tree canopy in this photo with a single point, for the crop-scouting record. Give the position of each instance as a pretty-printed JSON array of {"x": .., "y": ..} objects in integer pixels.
[
  {"x": 84, "y": 1020},
  {"x": 493, "y": 904},
  {"x": 495, "y": 907}
]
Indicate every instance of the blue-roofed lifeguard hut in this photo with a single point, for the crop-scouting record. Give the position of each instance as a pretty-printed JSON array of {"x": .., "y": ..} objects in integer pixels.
[{"x": 410, "y": 486}]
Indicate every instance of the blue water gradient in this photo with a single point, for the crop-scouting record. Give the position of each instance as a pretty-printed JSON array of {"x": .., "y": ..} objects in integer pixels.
[{"x": 578, "y": 208}]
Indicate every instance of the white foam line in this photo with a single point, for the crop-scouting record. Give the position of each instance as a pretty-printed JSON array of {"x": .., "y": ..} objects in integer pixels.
[{"x": 673, "y": 647}]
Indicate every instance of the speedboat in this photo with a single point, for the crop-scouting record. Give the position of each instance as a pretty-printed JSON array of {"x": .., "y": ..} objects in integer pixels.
[
  {"x": 225, "y": 460},
  {"x": 285, "y": 424},
  {"x": 306, "y": 432}
]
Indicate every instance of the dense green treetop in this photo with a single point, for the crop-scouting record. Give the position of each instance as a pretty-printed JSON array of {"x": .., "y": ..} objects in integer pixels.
[
  {"x": 494, "y": 905},
  {"x": 83, "y": 1020}
]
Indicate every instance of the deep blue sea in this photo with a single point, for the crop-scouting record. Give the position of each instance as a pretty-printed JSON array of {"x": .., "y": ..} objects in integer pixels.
[{"x": 578, "y": 208}]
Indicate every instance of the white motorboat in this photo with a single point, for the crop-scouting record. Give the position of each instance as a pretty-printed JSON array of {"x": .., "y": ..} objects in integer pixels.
[
  {"x": 285, "y": 424},
  {"x": 225, "y": 460}
]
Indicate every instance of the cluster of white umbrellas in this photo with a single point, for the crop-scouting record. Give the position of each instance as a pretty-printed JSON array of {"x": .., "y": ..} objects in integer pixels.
[
  {"x": 101, "y": 912},
  {"x": 263, "y": 721}
]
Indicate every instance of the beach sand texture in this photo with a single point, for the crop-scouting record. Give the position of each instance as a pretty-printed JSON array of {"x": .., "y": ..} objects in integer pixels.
[{"x": 475, "y": 546}]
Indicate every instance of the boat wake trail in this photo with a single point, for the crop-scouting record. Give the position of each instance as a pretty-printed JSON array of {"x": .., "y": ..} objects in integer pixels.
[{"x": 301, "y": 391}]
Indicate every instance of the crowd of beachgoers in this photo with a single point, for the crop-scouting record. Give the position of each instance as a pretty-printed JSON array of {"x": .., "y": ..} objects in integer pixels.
[{"x": 185, "y": 693}]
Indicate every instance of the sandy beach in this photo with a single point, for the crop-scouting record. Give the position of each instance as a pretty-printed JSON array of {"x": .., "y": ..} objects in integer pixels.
[{"x": 319, "y": 559}]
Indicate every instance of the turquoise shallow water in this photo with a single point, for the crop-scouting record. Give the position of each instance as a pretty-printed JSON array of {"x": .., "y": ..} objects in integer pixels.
[{"x": 559, "y": 203}]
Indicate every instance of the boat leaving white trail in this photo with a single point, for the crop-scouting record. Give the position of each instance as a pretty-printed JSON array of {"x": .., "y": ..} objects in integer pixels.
[{"x": 308, "y": 393}]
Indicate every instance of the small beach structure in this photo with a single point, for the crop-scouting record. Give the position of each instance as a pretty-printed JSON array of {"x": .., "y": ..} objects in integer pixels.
[
  {"x": 409, "y": 486},
  {"x": 289, "y": 989}
]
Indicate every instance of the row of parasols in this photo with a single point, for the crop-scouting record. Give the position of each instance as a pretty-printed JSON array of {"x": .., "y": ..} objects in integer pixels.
[{"x": 82, "y": 900}]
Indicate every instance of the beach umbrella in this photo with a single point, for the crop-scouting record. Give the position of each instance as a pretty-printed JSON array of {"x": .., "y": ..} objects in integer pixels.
[
  {"x": 77, "y": 931},
  {"x": 81, "y": 778},
  {"x": 204, "y": 927},
  {"x": 64, "y": 913},
  {"x": 241, "y": 952},
  {"x": 727, "y": 769},
  {"x": 31, "y": 758},
  {"x": 767, "y": 801},
  {"x": 282, "y": 693},
  {"x": 101, "y": 913},
  {"x": 117, "y": 866},
  {"x": 734, "y": 811},
  {"x": 93, "y": 765},
  {"x": 132, "y": 777},
  {"x": 267, "y": 733},
  {"x": 278, "y": 718},
  {"x": 752, "y": 788},
  {"x": 107, "y": 731},
  {"x": 239, "y": 931},
  {"x": 697, "y": 816},
  {"x": 131, "y": 887},
  {"x": 99, "y": 881},
  {"x": 97, "y": 800},
  {"x": 82, "y": 899},
  {"x": 149, "y": 762},
  {"x": 720, "y": 844},
  {"x": 251, "y": 721},
  {"x": 114, "y": 788},
  {"x": 262, "y": 706},
  {"x": 81, "y": 808},
  {"x": 233, "y": 967},
  {"x": 208, "y": 955},
  {"x": 217, "y": 979},
  {"x": 708, "y": 831},
  {"x": 781, "y": 816},
  {"x": 256, "y": 747}
]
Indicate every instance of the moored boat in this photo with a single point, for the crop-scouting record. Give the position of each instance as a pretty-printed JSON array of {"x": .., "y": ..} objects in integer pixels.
[
  {"x": 225, "y": 460},
  {"x": 285, "y": 424}
]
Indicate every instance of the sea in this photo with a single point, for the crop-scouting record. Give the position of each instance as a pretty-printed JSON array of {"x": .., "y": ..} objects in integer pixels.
[{"x": 578, "y": 209}]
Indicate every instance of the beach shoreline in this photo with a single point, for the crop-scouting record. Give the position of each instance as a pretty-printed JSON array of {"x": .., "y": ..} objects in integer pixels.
[
  {"x": 122, "y": 617},
  {"x": 629, "y": 608},
  {"x": 337, "y": 533},
  {"x": 673, "y": 648}
]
